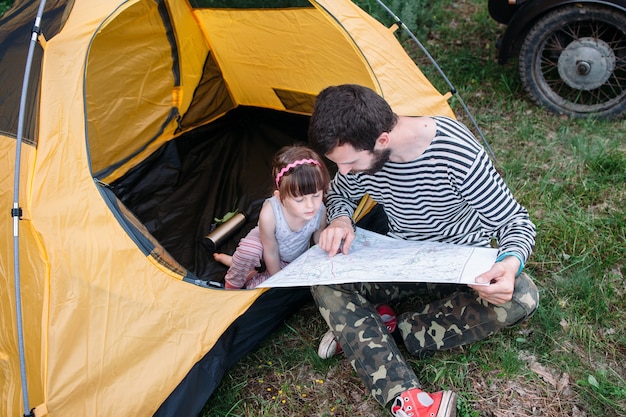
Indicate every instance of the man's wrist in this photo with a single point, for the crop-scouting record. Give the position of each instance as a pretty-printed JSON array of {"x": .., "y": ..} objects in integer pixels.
[{"x": 516, "y": 255}]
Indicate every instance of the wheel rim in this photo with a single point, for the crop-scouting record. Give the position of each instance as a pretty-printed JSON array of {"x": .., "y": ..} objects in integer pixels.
[
  {"x": 586, "y": 64},
  {"x": 578, "y": 69}
]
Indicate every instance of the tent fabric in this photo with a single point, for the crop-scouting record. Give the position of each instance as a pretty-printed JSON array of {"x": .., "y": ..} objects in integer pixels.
[{"x": 145, "y": 121}]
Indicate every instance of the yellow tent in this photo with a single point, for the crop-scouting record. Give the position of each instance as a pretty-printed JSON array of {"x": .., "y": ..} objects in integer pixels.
[{"x": 144, "y": 121}]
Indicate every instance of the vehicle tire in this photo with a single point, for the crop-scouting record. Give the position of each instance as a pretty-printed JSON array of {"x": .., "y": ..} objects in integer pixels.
[{"x": 573, "y": 61}]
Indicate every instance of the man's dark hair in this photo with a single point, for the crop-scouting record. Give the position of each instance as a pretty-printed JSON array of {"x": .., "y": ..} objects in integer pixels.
[{"x": 349, "y": 114}]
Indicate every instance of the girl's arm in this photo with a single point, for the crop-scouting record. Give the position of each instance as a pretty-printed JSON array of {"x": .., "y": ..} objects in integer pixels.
[
  {"x": 323, "y": 224},
  {"x": 267, "y": 230}
]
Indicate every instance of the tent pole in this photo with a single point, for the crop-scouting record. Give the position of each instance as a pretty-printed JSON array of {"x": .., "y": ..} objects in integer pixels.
[
  {"x": 16, "y": 211},
  {"x": 453, "y": 89}
]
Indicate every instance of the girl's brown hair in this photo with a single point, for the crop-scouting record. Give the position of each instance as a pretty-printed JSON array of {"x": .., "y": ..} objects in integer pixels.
[{"x": 298, "y": 170}]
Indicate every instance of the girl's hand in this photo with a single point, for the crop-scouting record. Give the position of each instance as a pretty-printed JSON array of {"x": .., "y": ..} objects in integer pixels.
[{"x": 337, "y": 237}]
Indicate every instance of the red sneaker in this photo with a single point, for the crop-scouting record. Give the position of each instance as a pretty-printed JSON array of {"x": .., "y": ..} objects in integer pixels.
[
  {"x": 417, "y": 403},
  {"x": 388, "y": 316},
  {"x": 329, "y": 346}
]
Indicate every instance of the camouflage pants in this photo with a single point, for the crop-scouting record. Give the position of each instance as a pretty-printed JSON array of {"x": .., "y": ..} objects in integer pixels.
[{"x": 456, "y": 317}]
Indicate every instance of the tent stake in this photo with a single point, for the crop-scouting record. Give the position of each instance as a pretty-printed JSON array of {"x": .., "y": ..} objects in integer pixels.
[
  {"x": 453, "y": 89},
  {"x": 16, "y": 211}
]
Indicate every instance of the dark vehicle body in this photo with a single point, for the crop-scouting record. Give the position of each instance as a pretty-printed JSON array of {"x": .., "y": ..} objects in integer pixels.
[{"x": 571, "y": 54}]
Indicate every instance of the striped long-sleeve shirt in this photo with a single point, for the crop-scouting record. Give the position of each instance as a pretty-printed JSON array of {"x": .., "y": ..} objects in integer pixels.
[{"x": 451, "y": 193}]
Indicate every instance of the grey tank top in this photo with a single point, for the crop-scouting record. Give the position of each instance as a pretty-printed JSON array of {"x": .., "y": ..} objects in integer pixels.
[{"x": 293, "y": 244}]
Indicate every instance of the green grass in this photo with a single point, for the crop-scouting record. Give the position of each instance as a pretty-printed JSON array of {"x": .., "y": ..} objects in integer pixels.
[
  {"x": 4, "y": 6},
  {"x": 569, "y": 358}
]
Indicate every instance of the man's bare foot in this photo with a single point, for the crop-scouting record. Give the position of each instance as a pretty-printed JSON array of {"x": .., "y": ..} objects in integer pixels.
[{"x": 223, "y": 258}]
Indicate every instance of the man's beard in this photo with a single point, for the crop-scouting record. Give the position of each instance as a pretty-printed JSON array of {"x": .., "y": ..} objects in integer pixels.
[{"x": 380, "y": 159}]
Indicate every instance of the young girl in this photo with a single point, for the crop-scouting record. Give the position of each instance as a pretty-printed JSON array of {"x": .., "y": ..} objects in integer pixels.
[{"x": 287, "y": 220}]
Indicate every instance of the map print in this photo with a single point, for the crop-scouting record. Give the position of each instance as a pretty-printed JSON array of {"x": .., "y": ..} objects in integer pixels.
[{"x": 377, "y": 258}]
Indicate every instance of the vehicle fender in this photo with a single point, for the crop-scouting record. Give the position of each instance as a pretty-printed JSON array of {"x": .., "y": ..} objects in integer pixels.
[{"x": 529, "y": 12}]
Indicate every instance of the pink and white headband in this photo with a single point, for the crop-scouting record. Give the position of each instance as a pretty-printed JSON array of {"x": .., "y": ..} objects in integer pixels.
[{"x": 293, "y": 165}]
